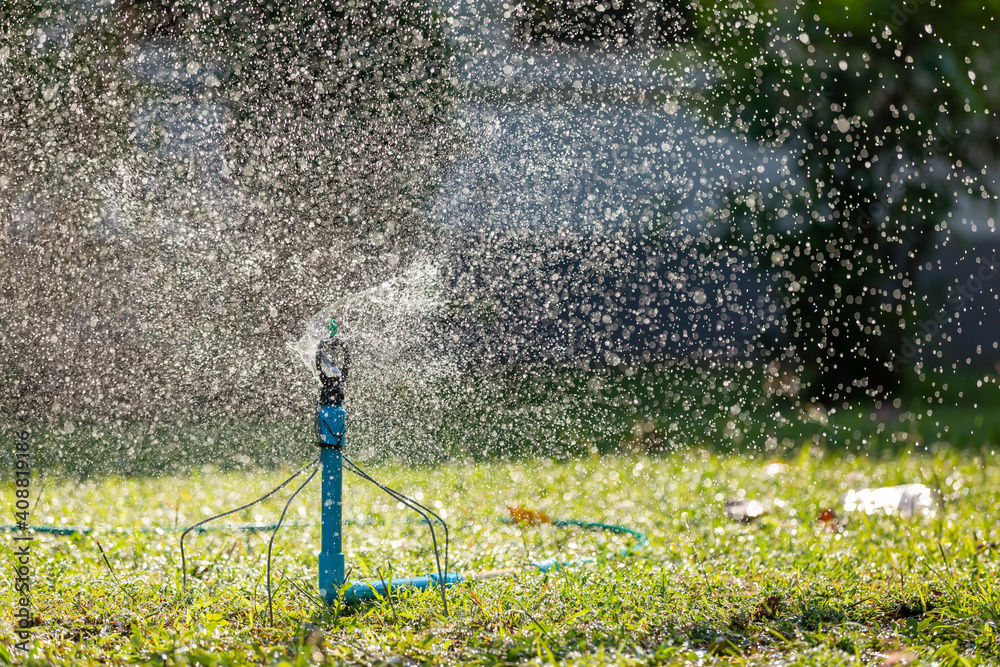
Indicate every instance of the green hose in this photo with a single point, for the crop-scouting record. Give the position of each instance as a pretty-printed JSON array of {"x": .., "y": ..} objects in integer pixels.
[{"x": 640, "y": 540}]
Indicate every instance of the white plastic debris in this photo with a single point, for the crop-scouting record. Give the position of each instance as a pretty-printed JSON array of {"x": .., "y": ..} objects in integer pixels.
[
  {"x": 775, "y": 469},
  {"x": 905, "y": 500},
  {"x": 745, "y": 510}
]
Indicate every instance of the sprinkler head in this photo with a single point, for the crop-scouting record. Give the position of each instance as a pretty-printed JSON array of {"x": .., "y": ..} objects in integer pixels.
[
  {"x": 332, "y": 327},
  {"x": 332, "y": 363}
]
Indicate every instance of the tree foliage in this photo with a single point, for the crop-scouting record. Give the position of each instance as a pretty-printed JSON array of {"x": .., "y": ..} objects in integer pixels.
[{"x": 882, "y": 116}]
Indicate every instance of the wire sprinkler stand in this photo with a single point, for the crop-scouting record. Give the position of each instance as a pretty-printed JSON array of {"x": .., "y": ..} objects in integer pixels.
[{"x": 331, "y": 420}]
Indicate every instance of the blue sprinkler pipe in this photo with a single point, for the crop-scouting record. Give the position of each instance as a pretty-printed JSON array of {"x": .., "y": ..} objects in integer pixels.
[
  {"x": 331, "y": 426},
  {"x": 330, "y": 420}
]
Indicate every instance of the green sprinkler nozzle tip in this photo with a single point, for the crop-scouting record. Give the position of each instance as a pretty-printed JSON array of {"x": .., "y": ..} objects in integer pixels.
[{"x": 333, "y": 327}]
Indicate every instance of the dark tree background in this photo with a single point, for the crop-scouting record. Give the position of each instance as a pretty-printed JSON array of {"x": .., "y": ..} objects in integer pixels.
[{"x": 887, "y": 112}]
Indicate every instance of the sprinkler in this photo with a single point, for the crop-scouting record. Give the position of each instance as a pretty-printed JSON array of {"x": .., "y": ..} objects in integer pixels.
[
  {"x": 331, "y": 422},
  {"x": 333, "y": 364}
]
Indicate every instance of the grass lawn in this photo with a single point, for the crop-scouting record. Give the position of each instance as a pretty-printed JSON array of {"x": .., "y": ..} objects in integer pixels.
[{"x": 785, "y": 589}]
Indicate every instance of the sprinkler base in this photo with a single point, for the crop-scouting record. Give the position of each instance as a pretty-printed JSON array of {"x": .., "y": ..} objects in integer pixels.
[{"x": 331, "y": 575}]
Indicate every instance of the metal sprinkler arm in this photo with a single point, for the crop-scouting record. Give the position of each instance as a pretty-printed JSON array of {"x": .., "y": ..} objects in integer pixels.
[{"x": 332, "y": 374}]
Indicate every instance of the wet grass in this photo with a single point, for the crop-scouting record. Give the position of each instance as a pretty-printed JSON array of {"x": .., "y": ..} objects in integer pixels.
[{"x": 785, "y": 589}]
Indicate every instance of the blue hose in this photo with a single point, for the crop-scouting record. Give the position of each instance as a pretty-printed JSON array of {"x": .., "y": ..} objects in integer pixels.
[{"x": 375, "y": 589}]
